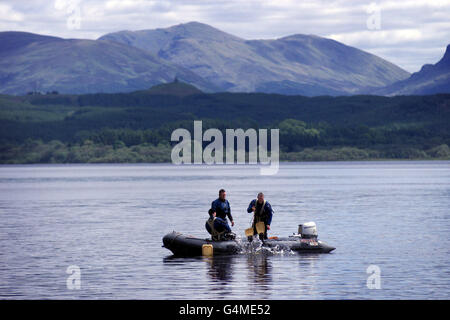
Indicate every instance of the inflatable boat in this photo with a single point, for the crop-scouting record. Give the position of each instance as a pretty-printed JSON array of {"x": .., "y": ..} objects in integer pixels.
[{"x": 305, "y": 241}]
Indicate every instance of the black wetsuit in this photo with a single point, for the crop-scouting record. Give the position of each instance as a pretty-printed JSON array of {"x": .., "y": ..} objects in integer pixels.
[
  {"x": 222, "y": 209},
  {"x": 264, "y": 215}
]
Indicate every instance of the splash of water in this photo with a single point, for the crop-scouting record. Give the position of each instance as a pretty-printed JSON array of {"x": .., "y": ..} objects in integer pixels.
[{"x": 257, "y": 247}]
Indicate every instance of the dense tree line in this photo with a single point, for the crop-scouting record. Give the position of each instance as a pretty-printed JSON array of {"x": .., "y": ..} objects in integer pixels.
[{"x": 136, "y": 127}]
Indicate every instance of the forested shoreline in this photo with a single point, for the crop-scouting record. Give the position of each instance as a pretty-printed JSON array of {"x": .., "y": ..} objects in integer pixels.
[{"x": 136, "y": 127}]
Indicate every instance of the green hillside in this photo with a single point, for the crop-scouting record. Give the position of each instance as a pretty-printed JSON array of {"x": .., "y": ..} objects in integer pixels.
[
  {"x": 136, "y": 127},
  {"x": 175, "y": 88}
]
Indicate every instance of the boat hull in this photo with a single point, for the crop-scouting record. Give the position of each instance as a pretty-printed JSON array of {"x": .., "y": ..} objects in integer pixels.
[{"x": 183, "y": 245}]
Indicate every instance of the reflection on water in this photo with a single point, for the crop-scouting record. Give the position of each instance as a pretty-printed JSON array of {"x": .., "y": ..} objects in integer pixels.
[
  {"x": 260, "y": 270},
  {"x": 250, "y": 275},
  {"x": 109, "y": 221},
  {"x": 220, "y": 269}
]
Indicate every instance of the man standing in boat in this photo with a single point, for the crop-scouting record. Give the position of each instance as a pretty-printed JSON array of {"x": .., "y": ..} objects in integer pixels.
[
  {"x": 222, "y": 208},
  {"x": 262, "y": 212}
]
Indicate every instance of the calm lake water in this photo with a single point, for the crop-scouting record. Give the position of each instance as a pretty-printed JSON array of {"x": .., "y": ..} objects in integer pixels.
[{"x": 109, "y": 220}]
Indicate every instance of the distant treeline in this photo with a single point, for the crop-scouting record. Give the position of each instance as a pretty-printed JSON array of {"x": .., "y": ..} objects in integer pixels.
[{"x": 136, "y": 127}]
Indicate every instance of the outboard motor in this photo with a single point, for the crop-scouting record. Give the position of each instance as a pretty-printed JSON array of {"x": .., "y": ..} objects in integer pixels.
[{"x": 308, "y": 230}]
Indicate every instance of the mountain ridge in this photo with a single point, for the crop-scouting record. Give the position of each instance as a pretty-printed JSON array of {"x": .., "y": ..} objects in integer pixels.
[
  {"x": 240, "y": 65},
  {"x": 196, "y": 53},
  {"x": 41, "y": 63},
  {"x": 430, "y": 79}
]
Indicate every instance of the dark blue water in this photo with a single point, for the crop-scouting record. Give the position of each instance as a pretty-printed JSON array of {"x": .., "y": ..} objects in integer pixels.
[{"x": 109, "y": 220}]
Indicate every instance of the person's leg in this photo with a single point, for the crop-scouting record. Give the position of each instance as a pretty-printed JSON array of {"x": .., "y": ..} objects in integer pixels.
[
  {"x": 250, "y": 238},
  {"x": 260, "y": 235}
]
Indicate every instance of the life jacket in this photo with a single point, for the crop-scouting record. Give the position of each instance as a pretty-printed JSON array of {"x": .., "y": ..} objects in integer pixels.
[
  {"x": 215, "y": 235},
  {"x": 261, "y": 215}
]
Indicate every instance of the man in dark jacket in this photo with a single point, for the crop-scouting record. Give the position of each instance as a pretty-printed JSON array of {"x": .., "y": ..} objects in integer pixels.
[
  {"x": 218, "y": 228},
  {"x": 222, "y": 207},
  {"x": 262, "y": 211}
]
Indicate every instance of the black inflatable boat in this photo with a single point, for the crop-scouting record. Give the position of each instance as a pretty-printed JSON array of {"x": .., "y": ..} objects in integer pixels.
[{"x": 303, "y": 242}]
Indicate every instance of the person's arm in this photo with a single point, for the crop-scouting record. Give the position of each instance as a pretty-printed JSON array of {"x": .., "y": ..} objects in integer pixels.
[
  {"x": 269, "y": 213},
  {"x": 250, "y": 206},
  {"x": 214, "y": 205},
  {"x": 208, "y": 228},
  {"x": 229, "y": 214}
]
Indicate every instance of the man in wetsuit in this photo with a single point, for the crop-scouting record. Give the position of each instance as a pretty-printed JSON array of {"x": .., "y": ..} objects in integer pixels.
[
  {"x": 218, "y": 228},
  {"x": 221, "y": 207},
  {"x": 262, "y": 211}
]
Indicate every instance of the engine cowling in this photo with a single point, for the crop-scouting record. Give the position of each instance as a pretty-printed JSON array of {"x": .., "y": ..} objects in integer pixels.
[{"x": 308, "y": 230}]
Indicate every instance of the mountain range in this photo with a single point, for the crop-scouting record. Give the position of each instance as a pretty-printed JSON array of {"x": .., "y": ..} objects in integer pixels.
[
  {"x": 430, "y": 79},
  {"x": 297, "y": 64},
  {"x": 30, "y": 62},
  {"x": 207, "y": 58}
]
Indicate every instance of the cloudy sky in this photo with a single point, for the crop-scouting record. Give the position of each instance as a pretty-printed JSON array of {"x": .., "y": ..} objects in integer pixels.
[{"x": 407, "y": 33}]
